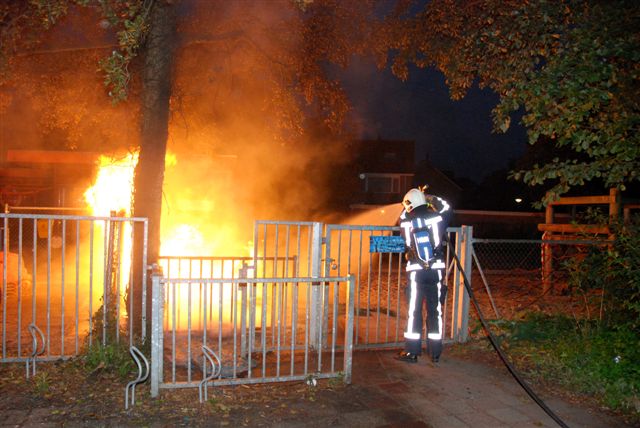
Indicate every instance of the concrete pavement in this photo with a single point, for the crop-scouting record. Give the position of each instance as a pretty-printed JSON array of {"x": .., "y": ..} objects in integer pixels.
[{"x": 459, "y": 392}]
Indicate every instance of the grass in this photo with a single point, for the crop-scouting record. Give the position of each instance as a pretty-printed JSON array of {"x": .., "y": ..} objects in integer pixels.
[
  {"x": 111, "y": 357},
  {"x": 582, "y": 357},
  {"x": 41, "y": 383}
]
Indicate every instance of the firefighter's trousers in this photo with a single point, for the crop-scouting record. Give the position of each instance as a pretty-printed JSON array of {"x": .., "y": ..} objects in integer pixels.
[{"x": 425, "y": 285}]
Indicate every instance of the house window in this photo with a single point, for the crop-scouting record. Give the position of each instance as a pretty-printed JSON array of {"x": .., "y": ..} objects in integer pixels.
[
  {"x": 386, "y": 183},
  {"x": 380, "y": 184}
]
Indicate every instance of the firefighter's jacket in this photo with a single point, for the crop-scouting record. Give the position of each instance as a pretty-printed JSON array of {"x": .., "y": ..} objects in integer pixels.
[{"x": 423, "y": 230}]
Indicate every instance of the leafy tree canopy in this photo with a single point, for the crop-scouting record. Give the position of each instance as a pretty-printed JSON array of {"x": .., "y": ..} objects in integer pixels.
[{"x": 571, "y": 67}]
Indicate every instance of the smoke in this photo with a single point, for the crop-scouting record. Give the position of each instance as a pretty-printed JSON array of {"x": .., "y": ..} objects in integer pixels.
[
  {"x": 235, "y": 112},
  {"x": 247, "y": 145}
]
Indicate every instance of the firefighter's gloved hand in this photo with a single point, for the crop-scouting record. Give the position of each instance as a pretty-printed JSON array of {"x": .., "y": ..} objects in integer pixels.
[{"x": 438, "y": 252}]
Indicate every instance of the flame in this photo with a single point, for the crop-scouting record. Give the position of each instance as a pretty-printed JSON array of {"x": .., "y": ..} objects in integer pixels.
[
  {"x": 111, "y": 195},
  {"x": 189, "y": 225},
  {"x": 112, "y": 189}
]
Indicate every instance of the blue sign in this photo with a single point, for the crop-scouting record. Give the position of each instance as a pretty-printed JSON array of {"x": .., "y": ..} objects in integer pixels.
[{"x": 386, "y": 244}]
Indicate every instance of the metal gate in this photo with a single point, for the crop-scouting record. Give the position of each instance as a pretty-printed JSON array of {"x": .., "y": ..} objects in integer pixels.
[
  {"x": 248, "y": 330},
  {"x": 380, "y": 302},
  {"x": 294, "y": 310},
  {"x": 64, "y": 279}
]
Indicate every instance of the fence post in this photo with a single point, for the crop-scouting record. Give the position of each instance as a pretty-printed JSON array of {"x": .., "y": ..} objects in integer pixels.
[
  {"x": 348, "y": 331},
  {"x": 316, "y": 291},
  {"x": 460, "y": 315},
  {"x": 157, "y": 315},
  {"x": 242, "y": 287}
]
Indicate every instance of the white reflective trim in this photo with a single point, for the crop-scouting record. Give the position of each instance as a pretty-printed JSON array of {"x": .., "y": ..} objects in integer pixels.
[
  {"x": 433, "y": 335},
  {"x": 413, "y": 267},
  {"x": 412, "y": 304},
  {"x": 439, "y": 307},
  {"x": 438, "y": 265},
  {"x": 414, "y": 336},
  {"x": 406, "y": 228},
  {"x": 434, "y": 220},
  {"x": 436, "y": 236}
]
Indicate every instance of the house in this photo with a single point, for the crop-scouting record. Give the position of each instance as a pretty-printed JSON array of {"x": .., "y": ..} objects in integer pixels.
[{"x": 387, "y": 170}]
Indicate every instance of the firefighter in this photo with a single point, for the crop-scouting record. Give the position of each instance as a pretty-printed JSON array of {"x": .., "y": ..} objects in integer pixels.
[{"x": 423, "y": 223}]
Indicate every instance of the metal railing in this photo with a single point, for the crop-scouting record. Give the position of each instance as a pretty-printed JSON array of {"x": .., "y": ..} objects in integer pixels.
[
  {"x": 67, "y": 276},
  {"x": 255, "y": 337}
]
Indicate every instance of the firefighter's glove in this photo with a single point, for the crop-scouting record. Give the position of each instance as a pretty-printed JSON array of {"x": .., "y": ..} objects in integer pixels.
[{"x": 438, "y": 252}]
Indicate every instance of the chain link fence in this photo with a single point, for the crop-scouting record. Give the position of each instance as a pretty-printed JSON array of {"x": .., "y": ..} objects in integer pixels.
[{"x": 512, "y": 277}]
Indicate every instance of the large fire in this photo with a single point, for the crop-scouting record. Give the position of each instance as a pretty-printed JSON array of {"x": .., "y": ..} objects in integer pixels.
[
  {"x": 111, "y": 191},
  {"x": 186, "y": 229}
]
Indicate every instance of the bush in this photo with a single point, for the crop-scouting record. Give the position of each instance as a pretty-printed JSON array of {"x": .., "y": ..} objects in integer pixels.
[{"x": 615, "y": 271}]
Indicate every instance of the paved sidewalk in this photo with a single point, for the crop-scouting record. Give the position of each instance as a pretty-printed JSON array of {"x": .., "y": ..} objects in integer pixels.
[
  {"x": 457, "y": 393},
  {"x": 384, "y": 393}
]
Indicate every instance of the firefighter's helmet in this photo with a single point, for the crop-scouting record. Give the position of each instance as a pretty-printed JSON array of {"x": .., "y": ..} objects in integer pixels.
[{"x": 413, "y": 199}]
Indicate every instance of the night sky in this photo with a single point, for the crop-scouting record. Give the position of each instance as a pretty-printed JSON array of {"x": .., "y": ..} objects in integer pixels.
[{"x": 455, "y": 135}]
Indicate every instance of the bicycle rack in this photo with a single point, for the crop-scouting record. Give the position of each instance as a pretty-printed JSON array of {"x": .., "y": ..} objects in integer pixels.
[
  {"x": 31, "y": 360},
  {"x": 215, "y": 371},
  {"x": 142, "y": 376}
]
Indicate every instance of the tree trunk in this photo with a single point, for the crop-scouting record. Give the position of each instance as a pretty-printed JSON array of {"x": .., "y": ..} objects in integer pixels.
[{"x": 158, "y": 54}]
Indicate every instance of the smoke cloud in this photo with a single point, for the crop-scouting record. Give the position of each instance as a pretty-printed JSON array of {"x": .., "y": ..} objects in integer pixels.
[{"x": 247, "y": 145}]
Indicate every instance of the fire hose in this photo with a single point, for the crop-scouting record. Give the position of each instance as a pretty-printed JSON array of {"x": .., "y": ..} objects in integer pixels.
[{"x": 501, "y": 353}]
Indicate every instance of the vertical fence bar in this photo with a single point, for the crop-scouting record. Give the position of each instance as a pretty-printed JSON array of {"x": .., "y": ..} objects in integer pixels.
[
  {"x": 5, "y": 250},
  {"x": 91, "y": 243},
  {"x": 334, "y": 324},
  {"x": 77, "y": 290},
  {"x": 263, "y": 326},
  {"x": 348, "y": 331},
  {"x": 34, "y": 269},
  {"x": 49, "y": 226},
  {"x": 105, "y": 284},
  {"x": 145, "y": 250},
  {"x": 62, "y": 271},
  {"x": 387, "y": 325},
  {"x": 294, "y": 323},
  {"x": 189, "y": 307},
  {"x": 398, "y": 297},
  {"x": 358, "y": 283},
  {"x": 157, "y": 323},
  {"x": 378, "y": 294},
  {"x": 460, "y": 315},
  {"x": 174, "y": 303},
  {"x": 20, "y": 279},
  {"x": 316, "y": 294}
]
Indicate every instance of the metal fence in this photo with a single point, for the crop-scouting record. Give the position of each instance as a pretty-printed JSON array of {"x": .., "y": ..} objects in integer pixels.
[
  {"x": 252, "y": 336},
  {"x": 511, "y": 279},
  {"x": 65, "y": 278},
  {"x": 309, "y": 292},
  {"x": 341, "y": 250},
  {"x": 284, "y": 326},
  {"x": 190, "y": 267}
]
